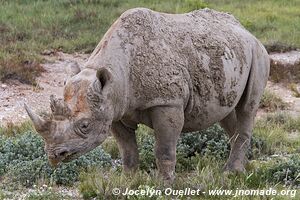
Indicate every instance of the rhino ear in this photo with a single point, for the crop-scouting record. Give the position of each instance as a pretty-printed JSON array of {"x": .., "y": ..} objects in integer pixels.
[{"x": 105, "y": 77}]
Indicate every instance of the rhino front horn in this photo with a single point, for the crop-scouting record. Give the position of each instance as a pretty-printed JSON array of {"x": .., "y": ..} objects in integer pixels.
[{"x": 38, "y": 122}]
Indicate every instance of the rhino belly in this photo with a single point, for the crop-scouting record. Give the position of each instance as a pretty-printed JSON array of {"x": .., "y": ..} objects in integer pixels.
[
  {"x": 202, "y": 117},
  {"x": 214, "y": 100}
]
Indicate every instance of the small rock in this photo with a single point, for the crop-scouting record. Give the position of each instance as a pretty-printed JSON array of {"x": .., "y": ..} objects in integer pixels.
[{"x": 3, "y": 86}]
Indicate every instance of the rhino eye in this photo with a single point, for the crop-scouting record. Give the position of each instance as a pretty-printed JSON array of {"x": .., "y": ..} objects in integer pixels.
[{"x": 82, "y": 128}]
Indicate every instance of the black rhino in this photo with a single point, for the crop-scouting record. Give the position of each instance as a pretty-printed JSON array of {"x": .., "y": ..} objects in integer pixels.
[{"x": 174, "y": 73}]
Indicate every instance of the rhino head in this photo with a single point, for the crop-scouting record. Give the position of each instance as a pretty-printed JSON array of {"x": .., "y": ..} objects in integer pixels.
[{"x": 81, "y": 120}]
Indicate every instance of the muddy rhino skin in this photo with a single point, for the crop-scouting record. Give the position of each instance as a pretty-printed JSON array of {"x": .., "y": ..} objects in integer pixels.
[{"x": 173, "y": 72}]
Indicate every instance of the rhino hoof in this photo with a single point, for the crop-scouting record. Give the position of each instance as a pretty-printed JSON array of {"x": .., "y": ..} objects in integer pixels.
[{"x": 234, "y": 167}]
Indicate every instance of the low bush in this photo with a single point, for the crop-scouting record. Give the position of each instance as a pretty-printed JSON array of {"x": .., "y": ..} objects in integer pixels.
[
  {"x": 99, "y": 184},
  {"x": 24, "y": 162},
  {"x": 286, "y": 171},
  {"x": 110, "y": 146},
  {"x": 210, "y": 142}
]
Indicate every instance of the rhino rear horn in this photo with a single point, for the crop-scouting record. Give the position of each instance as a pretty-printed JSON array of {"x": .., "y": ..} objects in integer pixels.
[
  {"x": 59, "y": 109},
  {"x": 39, "y": 123}
]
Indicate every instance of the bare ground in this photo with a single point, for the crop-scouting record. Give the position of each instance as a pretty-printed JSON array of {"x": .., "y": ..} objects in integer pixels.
[
  {"x": 287, "y": 96},
  {"x": 14, "y": 94}
]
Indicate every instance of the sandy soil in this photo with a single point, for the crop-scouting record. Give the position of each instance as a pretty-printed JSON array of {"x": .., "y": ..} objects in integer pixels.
[
  {"x": 287, "y": 96},
  {"x": 14, "y": 94}
]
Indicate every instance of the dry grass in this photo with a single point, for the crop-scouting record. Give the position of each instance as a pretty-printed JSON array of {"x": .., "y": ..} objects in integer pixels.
[
  {"x": 294, "y": 88},
  {"x": 272, "y": 102},
  {"x": 21, "y": 68},
  {"x": 12, "y": 129},
  {"x": 286, "y": 73},
  {"x": 279, "y": 47}
]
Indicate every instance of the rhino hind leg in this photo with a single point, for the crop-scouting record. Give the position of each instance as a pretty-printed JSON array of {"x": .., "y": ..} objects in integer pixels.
[
  {"x": 246, "y": 111},
  {"x": 127, "y": 145},
  {"x": 167, "y": 123},
  {"x": 236, "y": 160},
  {"x": 229, "y": 124},
  {"x": 239, "y": 144}
]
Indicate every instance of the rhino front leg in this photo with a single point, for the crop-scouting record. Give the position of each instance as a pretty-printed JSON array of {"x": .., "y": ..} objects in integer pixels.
[
  {"x": 167, "y": 123},
  {"x": 127, "y": 145}
]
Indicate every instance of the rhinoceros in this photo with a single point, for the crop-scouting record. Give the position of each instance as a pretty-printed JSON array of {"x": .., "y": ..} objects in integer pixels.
[{"x": 172, "y": 72}]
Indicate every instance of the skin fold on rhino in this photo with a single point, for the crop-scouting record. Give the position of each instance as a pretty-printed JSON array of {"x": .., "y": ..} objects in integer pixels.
[{"x": 173, "y": 72}]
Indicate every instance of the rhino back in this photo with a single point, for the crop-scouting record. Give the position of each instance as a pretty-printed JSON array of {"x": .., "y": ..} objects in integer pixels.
[
  {"x": 211, "y": 46},
  {"x": 200, "y": 59}
]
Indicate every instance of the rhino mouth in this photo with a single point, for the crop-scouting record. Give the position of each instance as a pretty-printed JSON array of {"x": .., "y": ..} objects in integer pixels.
[
  {"x": 65, "y": 157},
  {"x": 71, "y": 156}
]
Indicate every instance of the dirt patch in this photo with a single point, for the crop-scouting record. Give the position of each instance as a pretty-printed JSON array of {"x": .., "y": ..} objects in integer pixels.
[
  {"x": 287, "y": 96},
  {"x": 14, "y": 94},
  {"x": 285, "y": 67}
]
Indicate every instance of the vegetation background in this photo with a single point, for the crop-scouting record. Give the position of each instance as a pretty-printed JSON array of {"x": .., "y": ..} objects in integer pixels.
[{"x": 29, "y": 27}]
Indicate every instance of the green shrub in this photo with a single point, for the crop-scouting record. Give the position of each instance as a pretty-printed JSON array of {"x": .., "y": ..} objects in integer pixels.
[
  {"x": 23, "y": 161},
  {"x": 285, "y": 171},
  {"x": 281, "y": 169},
  {"x": 47, "y": 195},
  {"x": 110, "y": 146},
  {"x": 98, "y": 184},
  {"x": 145, "y": 140},
  {"x": 212, "y": 142}
]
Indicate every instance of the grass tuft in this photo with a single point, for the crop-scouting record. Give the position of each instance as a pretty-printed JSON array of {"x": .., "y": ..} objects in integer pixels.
[
  {"x": 12, "y": 130},
  {"x": 272, "y": 102},
  {"x": 294, "y": 88},
  {"x": 280, "y": 133},
  {"x": 279, "y": 47},
  {"x": 21, "y": 68}
]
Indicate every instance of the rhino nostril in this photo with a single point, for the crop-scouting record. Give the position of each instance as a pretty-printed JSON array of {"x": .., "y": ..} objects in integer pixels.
[{"x": 62, "y": 153}]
